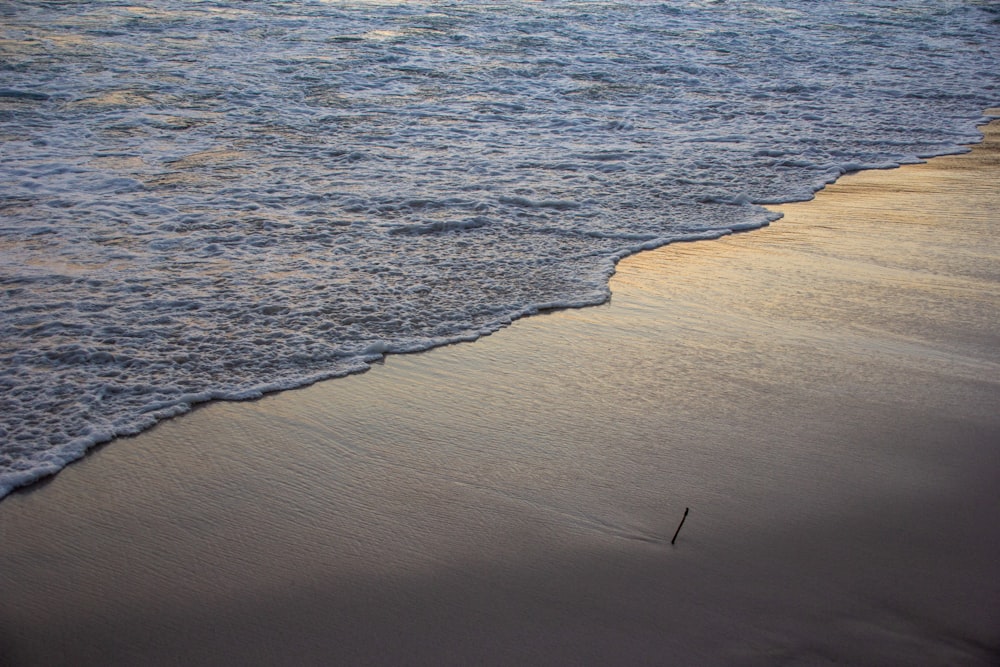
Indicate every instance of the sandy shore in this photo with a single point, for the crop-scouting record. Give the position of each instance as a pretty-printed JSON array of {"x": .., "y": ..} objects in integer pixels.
[{"x": 824, "y": 395}]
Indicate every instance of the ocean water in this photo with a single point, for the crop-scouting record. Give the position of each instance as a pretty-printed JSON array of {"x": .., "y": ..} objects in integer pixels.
[{"x": 213, "y": 200}]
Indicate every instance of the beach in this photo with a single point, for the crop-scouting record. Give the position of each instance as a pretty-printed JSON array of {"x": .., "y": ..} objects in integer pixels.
[{"x": 823, "y": 394}]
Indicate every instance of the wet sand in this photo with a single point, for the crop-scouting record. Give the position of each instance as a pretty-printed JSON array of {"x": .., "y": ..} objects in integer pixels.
[{"x": 823, "y": 394}]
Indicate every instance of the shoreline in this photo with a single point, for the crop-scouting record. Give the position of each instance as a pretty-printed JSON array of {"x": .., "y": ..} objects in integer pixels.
[
  {"x": 822, "y": 393},
  {"x": 364, "y": 362}
]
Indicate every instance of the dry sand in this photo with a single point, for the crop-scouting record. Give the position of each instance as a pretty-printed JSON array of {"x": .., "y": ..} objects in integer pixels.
[{"x": 824, "y": 395}]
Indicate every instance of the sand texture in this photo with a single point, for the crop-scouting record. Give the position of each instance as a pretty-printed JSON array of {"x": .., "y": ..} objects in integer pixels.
[{"x": 823, "y": 394}]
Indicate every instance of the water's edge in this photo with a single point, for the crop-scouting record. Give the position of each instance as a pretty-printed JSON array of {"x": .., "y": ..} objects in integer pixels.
[{"x": 363, "y": 363}]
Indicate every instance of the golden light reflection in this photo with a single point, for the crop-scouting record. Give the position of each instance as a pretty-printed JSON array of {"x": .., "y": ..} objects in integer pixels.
[
  {"x": 116, "y": 163},
  {"x": 382, "y": 35},
  {"x": 114, "y": 98},
  {"x": 215, "y": 157},
  {"x": 883, "y": 245},
  {"x": 200, "y": 11},
  {"x": 149, "y": 12}
]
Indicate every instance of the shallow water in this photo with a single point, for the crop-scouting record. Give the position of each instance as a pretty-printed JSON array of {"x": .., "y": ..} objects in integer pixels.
[{"x": 213, "y": 200}]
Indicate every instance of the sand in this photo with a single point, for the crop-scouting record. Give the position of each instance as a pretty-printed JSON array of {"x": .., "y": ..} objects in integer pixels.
[{"x": 823, "y": 394}]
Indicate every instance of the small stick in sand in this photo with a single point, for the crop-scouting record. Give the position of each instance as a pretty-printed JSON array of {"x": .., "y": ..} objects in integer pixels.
[{"x": 686, "y": 509}]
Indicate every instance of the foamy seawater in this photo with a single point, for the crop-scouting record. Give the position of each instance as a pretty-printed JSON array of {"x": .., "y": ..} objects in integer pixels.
[{"x": 210, "y": 200}]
